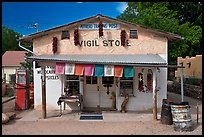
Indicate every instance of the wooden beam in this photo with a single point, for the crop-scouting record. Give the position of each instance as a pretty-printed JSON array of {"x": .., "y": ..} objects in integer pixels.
[
  {"x": 181, "y": 73},
  {"x": 154, "y": 95},
  {"x": 43, "y": 78}
]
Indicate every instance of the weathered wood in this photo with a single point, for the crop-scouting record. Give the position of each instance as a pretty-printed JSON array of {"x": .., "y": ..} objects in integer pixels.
[
  {"x": 11, "y": 115},
  {"x": 9, "y": 99},
  {"x": 43, "y": 92},
  {"x": 182, "y": 85},
  {"x": 154, "y": 95},
  {"x": 5, "y": 118}
]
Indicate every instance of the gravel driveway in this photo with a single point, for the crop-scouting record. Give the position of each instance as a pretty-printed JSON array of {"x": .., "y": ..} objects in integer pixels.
[{"x": 29, "y": 122}]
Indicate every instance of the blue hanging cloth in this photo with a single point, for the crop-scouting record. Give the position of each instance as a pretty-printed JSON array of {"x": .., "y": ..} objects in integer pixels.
[
  {"x": 99, "y": 70},
  {"x": 128, "y": 71}
]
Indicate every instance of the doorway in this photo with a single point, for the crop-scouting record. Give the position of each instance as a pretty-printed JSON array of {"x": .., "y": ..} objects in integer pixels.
[{"x": 97, "y": 92}]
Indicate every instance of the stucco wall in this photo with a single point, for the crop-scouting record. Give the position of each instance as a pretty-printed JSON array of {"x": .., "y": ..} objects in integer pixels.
[
  {"x": 146, "y": 43},
  {"x": 194, "y": 70},
  {"x": 139, "y": 102},
  {"x": 53, "y": 90},
  {"x": 144, "y": 101},
  {"x": 8, "y": 71}
]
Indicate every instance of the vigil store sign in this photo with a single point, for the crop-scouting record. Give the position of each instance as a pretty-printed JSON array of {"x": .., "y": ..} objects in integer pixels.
[{"x": 105, "y": 43}]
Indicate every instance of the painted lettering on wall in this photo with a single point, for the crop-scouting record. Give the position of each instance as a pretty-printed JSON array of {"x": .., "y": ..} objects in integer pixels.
[
  {"x": 94, "y": 43},
  {"x": 89, "y": 26}
]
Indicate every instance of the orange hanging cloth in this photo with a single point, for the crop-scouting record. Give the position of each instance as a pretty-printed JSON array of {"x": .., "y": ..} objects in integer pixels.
[
  {"x": 79, "y": 69},
  {"x": 118, "y": 71}
]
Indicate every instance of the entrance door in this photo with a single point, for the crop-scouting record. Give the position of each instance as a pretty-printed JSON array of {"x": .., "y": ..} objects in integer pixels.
[
  {"x": 106, "y": 86},
  {"x": 96, "y": 92},
  {"x": 91, "y": 92}
]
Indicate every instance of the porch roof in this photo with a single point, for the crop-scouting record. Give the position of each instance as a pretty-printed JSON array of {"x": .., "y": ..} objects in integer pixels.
[{"x": 135, "y": 60}]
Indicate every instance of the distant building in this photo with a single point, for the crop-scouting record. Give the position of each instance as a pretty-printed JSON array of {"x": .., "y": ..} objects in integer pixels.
[
  {"x": 10, "y": 62},
  {"x": 193, "y": 67}
]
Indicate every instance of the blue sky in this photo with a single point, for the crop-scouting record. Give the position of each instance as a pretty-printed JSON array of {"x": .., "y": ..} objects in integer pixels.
[{"x": 20, "y": 16}]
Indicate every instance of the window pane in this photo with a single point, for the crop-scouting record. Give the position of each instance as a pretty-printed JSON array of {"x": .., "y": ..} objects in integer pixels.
[
  {"x": 94, "y": 80},
  {"x": 73, "y": 86},
  {"x": 126, "y": 85},
  {"x": 88, "y": 80},
  {"x": 21, "y": 79},
  {"x": 126, "y": 78},
  {"x": 91, "y": 80},
  {"x": 133, "y": 34},
  {"x": 107, "y": 80},
  {"x": 65, "y": 34},
  {"x": 72, "y": 77}
]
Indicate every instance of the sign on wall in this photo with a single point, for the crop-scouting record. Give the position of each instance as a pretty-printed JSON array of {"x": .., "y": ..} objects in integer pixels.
[
  {"x": 50, "y": 73},
  {"x": 89, "y": 26}
]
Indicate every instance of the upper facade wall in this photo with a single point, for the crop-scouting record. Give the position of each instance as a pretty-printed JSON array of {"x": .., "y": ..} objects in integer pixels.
[{"x": 147, "y": 43}]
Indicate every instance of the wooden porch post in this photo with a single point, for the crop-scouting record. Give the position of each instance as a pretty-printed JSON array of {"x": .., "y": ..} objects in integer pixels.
[
  {"x": 181, "y": 73},
  {"x": 154, "y": 95},
  {"x": 43, "y": 78}
]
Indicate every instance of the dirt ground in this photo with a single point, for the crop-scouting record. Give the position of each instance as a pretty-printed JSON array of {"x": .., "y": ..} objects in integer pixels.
[{"x": 30, "y": 122}]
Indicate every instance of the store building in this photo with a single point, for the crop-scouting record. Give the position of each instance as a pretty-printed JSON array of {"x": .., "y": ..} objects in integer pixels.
[{"x": 97, "y": 61}]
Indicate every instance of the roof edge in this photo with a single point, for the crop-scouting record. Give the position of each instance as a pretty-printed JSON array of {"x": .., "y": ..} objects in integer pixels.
[{"x": 169, "y": 35}]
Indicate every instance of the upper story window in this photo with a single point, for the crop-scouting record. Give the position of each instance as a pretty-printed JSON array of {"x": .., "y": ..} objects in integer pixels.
[
  {"x": 65, "y": 34},
  {"x": 133, "y": 34}
]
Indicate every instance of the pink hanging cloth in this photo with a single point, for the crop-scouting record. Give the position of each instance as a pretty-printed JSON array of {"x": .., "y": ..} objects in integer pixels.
[
  {"x": 89, "y": 70},
  {"x": 60, "y": 67}
]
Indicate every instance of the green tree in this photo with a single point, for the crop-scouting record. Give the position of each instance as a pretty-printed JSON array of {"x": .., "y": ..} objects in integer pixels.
[
  {"x": 9, "y": 40},
  {"x": 159, "y": 15},
  {"x": 10, "y": 43},
  {"x": 188, "y": 12}
]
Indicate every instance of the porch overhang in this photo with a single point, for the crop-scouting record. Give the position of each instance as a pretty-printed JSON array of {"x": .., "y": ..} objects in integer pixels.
[{"x": 145, "y": 60}]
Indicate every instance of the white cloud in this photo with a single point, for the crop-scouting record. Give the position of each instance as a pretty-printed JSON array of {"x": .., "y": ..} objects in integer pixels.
[
  {"x": 122, "y": 6},
  {"x": 79, "y": 2}
]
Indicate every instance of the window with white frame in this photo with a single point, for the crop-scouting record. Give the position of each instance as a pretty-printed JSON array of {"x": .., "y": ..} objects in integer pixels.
[{"x": 126, "y": 84}]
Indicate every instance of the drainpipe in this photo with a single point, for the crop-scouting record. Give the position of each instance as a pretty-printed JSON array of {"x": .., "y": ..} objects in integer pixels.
[{"x": 19, "y": 44}]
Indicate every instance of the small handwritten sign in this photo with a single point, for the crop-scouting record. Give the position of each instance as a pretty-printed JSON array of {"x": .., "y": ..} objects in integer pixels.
[{"x": 90, "y": 26}]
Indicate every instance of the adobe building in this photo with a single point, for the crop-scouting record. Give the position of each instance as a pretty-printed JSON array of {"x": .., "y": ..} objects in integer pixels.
[
  {"x": 11, "y": 60},
  {"x": 193, "y": 67},
  {"x": 96, "y": 61}
]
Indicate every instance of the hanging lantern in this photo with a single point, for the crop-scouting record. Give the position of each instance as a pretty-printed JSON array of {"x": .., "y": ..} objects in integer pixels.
[
  {"x": 100, "y": 26},
  {"x": 54, "y": 45},
  {"x": 123, "y": 37},
  {"x": 76, "y": 37}
]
